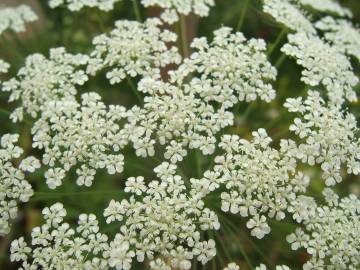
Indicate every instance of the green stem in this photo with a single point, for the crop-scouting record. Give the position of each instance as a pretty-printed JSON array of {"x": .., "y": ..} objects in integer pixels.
[
  {"x": 280, "y": 61},
  {"x": 198, "y": 163},
  {"x": 258, "y": 250},
  {"x": 249, "y": 109},
  {"x": 8, "y": 113},
  {"x": 242, "y": 16},
  {"x": 277, "y": 41},
  {"x": 194, "y": 266},
  {"x": 9, "y": 47},
  {"x": 214, "y": 236},
  {"x": 251, "y": 242},
  {"x": 275, "y": 120},
  {"x": 4, "y": 111},
  {"x": 101, "y": 21},
  {"x": 183, "y": 36},
  {"x": 134, "y": 90},
  {"x": 137, "y": 10},
  {"x": 19, "y": 43},
  {"x": 225, "y": 249},
  {"x": 233, "y": 232}
]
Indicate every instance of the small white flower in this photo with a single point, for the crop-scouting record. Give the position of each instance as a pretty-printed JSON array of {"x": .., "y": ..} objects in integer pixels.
[
  {"x": 4, "y": 66},
  {"x": 258, "y": 226},
  {"x": 205, "y": 251},
  {"x": 85, "y": 176},
  {"x": 114, "y": 212},
  {"x": 54, "y": 214},
  {"x": 19, "y": 250},
  {"x": 232, "y": 266},
  {"x": 54, "y": 177},
  {"x": 30, "y": 164},
  {"x": 135, "y": 185},
  {"x": 120, "y": 256}
]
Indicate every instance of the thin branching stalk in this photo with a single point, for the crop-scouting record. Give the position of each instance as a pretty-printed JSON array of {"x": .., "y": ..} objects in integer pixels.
[
  {"x": 184, "y": 37},
  {"x": 137, "y": 10},
  {"x": 134, "y": 90},
  {"x": 278, "y": 40},
  {"x": 243, "y": 15}
]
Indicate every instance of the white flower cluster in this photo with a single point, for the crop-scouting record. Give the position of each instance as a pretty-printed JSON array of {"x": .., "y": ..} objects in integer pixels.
[
  {"x": 258, "y": 179},
  {"x": 15, "y": 18},
  {"x": 231, "y": 67},
  {"x": 178, "y": 117},
  {"x": 234, "y": 266},
  {"x": 13, "y": 186},
  {"x": 330, "y": 136},
  {"x": 289, "y": 15},
  {"x": 76, "y": 5},
  {"x": 326, "y": 6},
  {"x": 42, "y": 80},
  {"x": 323, "y": 65},
  {"x": 4, "y": 66},
  {"x": 181, "y": 113},
  {"x": 162, "y": 222},
  {"x": 342, "y": 34},
  {"x": 133, "y": 49},
  {"x": 55, "y": 245},
  {"x": 331, "y": 233},
  {"x": 86, "y": 134},
  {"x": 184, "y": 7}
]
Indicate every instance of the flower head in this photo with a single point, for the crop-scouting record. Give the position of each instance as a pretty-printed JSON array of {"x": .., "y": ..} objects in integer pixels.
[
  {"x": 174, "y": 8},
  {"x": 342, "y": 34},
  {"x": 43, "y": 80},
  {"x": 14, "y": 188},
  {"x": 15, "y": 18},
  {"x": 328, "y": 134},
  {"x": 133, "y": 49},
  {"x": 289, "y": 15},
  {"x": 323, "y": 65}
]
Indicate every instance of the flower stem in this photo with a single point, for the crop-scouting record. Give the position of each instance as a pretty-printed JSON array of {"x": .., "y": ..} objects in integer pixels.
[
  {"x": 137, "y": 10},
  {"x": 242, "y": 16},
  {"x": 280, "y": 60},
  {"x": 248, "y": 109},
  {"x": 277, "y": 41},
  {"x": 134, "y": 90},
  {"x": 100, "y": 21},
  {"x": 183, "y": 36},
  {"x": 198, "y": 163},
  {"x": 4, "y": 111},
  {"x": 8, "y": 113},
  {"x": 225, "y": 249},
  {"x": 232, "y": 230}
]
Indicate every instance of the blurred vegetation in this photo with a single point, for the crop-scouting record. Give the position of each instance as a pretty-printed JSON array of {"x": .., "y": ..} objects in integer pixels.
[{"x": 75, "y": 31}]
